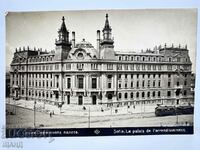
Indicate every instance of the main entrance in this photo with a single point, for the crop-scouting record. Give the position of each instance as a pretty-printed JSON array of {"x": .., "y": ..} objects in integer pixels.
[
  {"x": 80, "y": 100},
  {"x": 94, "y": 100}
]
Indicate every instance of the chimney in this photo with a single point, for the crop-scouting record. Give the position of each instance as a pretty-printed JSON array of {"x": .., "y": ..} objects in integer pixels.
[
  {"x": 98, "y": 42},
  {"x": 38, "y": 51},
  {"x": 73, "y": 39}
]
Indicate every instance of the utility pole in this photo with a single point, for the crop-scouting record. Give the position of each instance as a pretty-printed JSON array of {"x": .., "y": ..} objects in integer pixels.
[{"x": 89, "y": 117}]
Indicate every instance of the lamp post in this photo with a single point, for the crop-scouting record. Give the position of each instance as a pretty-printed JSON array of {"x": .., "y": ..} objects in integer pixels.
[
  {"x": 16, "y": 88},
  {"x": 89, "y": 117},
  {"x": 178, "y": 92},
  {"x": 34, "y": 115}
]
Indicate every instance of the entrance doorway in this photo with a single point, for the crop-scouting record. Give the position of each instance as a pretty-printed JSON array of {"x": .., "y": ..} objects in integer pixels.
[
  {"x": 68, "y": 99},
  {"x": 80, "y": 100},
  {"x": 94, "y": 100}
]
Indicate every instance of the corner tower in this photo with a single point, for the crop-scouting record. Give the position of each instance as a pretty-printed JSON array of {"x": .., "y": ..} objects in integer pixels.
[
  {"x": 63, "y": 45},
  {"x": 106, "y": 45}
]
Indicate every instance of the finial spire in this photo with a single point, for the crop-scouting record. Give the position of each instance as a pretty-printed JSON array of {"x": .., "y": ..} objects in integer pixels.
[
  {"x": 107, "y": 26},
  {"x": 63, "y": 18}
]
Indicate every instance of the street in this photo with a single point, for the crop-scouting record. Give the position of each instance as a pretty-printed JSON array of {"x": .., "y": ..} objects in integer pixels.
[{"x": 24, "y": 118}]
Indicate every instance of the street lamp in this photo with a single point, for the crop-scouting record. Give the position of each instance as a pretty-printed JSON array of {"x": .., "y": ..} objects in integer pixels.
[
  {"x": 34, "y": 115},
  {"x": 16, "y": 88},
  {"x": 178, "y": 92},
  {"x": 89, "y": 117}
]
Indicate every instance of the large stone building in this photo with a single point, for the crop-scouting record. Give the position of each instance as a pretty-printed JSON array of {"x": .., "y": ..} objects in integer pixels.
[{"x": 80, "y": 74}]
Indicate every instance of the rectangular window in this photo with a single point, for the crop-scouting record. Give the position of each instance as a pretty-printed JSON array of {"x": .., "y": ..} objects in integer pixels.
[
  {"x": 80, "y": 66},
  {"x": 94, "y": 83},
  {"x": 94, "y": 66},
  {"x": 56, "y": 67},
  {"x": 132, "y": 67},
  {"x": 68, "y": 66},
  {"x": 120, "y": 85},
  {"x": 109, "y": 85},
  {"x": 109, "y": 66},
  {"x": 131, "y": 76},
  {"x": 185, "y": 83},
  {"x": 125, "y": 67},
  {"x": 126, "y": 76},
  {"x": 159, "y": 67},
  {"x": 57, "y": 81},
  {"x": 168, "y": 93},
  {"x": 149, "y": 67},
  {"x": 132, "y": 84},
  {"x": 154, "y": 83},
  {"x": 143, "y": 67},
  {"x": 51, "y": 67},
  {"x": 169, "y": 84},
  {"x": 119, "y": 67},
  {"x": 148, "y": 83},
  {"x": 119, "y": 76},
  {"x": 125, "y": 85},
  {"x": 138, "y": 67},
  {"x": 137, "y": 84},
  {"x": 154, "y": 67},
  {"x": 142, "y": 83},
  {"x": 80, "y": 82},
  {"x": 68, "y": 83},
  {"x": 169, "y": 67}
]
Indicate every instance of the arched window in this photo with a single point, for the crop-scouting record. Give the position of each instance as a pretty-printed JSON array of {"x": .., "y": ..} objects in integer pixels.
[
  {"x": 158, "y": 93},
  {"x": 131, "y": 95},
  {"x": 143, "y": 94},
  {"x": 137, "y": 95},
  {"x": 154, "y": 93},
  {"x": 125, "y": 95},
  {"x": 148, "y": 94}
]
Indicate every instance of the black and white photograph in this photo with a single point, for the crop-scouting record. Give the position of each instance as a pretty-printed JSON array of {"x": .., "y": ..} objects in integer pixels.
[{"x": 101, "y": 72}]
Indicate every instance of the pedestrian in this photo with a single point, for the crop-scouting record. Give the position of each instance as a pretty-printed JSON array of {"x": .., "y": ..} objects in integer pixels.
[
  {"x": 50, "y": 114},
  {"x": 102, "y": 109}
]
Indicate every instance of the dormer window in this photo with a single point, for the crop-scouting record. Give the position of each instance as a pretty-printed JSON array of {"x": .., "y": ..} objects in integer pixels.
[{"x": 80, "y": 56}]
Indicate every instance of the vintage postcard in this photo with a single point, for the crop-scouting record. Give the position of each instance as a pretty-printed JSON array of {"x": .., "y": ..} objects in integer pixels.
[{"x": 100, "y": 72}]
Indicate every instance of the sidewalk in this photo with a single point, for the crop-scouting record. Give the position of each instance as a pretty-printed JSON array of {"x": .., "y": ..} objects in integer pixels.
[{"x": 76, "y": 110}]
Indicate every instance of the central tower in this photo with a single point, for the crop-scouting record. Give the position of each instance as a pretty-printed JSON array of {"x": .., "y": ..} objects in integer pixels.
[
  {"x": 106, "y": 45},
  {"x": 63, "y": 46}
]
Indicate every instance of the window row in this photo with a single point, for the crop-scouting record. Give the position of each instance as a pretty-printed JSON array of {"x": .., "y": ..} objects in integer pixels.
[
  {"x": 142, "y": 84},
  {"x": 40, "y": 59},
  {"x": 140, "y": 58},
  {"x": 138, "y": 76},
  {"x": 139, "y": 94}
]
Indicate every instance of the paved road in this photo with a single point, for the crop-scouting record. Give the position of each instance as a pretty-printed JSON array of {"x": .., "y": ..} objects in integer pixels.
[{"x": 24, "y": 119}]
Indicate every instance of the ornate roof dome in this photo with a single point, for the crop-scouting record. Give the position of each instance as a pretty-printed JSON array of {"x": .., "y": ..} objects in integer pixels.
[
  {"x": 84, "y": 44},
  {"x": 84, "y": 50}
]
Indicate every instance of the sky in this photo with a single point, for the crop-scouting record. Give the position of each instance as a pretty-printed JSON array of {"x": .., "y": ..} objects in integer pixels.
[{"x": 133, "y": 30}]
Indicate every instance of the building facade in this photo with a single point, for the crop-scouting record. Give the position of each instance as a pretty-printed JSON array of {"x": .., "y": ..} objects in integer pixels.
[{"x": 80, "y": 74}]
